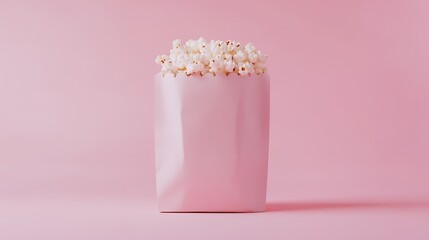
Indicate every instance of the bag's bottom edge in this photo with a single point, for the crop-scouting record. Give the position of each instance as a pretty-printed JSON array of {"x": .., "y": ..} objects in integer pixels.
[{"x": 212, "y": 211}]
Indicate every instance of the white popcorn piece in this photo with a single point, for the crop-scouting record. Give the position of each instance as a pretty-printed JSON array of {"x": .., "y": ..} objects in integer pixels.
[
  {"x": 198, "y": 67},
  {"x": 214, "y": 57},
  {"x": 201, "y": 41},
  {"x": 162, "y": 59},
  {"x": 192, "y": 46},
  {"x": 190, "y": 68},
  {"x": 176, "y": 43},
  {"x": 216, "y": 66},
  {"x": 246, "y": 69},
  {"x": 253, "y": 57},
  {"x": 229, "y": 66},
  {"x": 240, "y": 56},
  {"x": 227, "y": 56},
  {"x": 250, "y": 48}
]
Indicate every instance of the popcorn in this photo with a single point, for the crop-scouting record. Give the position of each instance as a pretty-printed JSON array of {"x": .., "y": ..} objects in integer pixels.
[
  {"x": 176, "y": 43},
  {"x": 216, "y": 66},
  {"x": 194, "y": 67},
  {"x": 240, "y": 56},
  {"x": 162, "y": 59},
  {"x": 246, "y": 69},
  {"x": 230, "y": 66},
  {"x": 250, "y": 48},
  {"x": 253, "y": 57},
  {"x": 201, "y": 57},
  {"x": 192, "y": 46},
  {"x": 201, "y": 42},
  {"x": 227, "y": 57}
]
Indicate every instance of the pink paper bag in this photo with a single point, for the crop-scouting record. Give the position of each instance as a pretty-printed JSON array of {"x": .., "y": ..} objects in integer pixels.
[{"x": 211, "y": 142}]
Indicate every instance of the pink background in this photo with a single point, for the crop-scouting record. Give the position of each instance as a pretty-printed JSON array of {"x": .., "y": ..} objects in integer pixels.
[{"x": 349, "y": 124}]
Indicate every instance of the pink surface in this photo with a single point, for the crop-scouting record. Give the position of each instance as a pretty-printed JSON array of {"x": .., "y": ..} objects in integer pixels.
[
  {"x": 349, "y": 116},
  {"x": 211, "y": 142},
  {"x": 132, "y": 219}
]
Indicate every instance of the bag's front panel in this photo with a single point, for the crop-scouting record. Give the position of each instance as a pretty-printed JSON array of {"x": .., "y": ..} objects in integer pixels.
[{"x": 212, "y": 143}]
